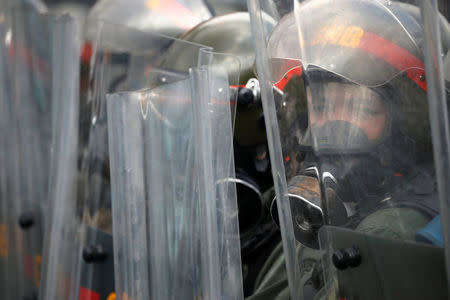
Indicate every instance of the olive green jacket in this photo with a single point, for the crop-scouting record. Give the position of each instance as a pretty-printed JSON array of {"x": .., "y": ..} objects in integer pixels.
[{"x": 396, "y": 223}]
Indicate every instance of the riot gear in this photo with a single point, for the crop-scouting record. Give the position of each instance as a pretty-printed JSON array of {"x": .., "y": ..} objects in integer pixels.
[
  {"x": 28, "y": 114},
  {"x": 358, "y": 120},
  {"x": 175, "y": 212},
  {"x": 231, "y": 33},
  {"x": 350, "y": 138}
]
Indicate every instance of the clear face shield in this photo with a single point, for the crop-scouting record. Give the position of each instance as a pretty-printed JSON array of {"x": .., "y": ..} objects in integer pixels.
[{"x": 347, "y": 109}]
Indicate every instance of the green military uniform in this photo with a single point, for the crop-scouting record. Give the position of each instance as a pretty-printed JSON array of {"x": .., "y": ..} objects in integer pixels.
[{"x": 272, "y": 282}]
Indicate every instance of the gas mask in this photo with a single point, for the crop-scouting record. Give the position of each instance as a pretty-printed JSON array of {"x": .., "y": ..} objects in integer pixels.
[{"x": 352, "y": 154}]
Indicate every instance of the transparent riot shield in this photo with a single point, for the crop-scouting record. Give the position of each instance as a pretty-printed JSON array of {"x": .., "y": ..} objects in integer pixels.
[
  {"x": 9, "y": 263},
  {"x": 56, "y": 271},
  {"x": 354, "y": 103},
  {"x": 28, "y": 114},
  {"x": 174, "y": 208},
  {"x": 79, "y": 255}
]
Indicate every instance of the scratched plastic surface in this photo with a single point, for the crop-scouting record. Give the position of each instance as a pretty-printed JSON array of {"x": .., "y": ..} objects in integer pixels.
[
  {"x": 112, "y": 58},
  {"x": 28, "y": 115},
  {"x": 362, "y": 49},
  {"x": 175, "y": 214}
]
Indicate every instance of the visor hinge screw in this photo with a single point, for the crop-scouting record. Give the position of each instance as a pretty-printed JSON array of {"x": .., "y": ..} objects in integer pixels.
[
  {"x": 94, "y": 254},
  {"x": 26, "y": 220},
  {"x": 422, "y": 78},
  {"x": 345, "y": 258}
]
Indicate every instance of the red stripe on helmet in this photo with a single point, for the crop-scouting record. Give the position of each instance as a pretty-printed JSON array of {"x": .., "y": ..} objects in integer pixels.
[
  {"x": 396, "y": 56},
  {"x": 237, "y": 86},
  {"x": 296, "y": 71}
]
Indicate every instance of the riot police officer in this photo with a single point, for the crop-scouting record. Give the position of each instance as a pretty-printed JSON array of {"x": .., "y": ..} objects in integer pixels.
[{"x": 356, "y": 179}]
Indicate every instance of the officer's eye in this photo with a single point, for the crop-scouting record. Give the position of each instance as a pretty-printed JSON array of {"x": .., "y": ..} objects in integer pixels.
[
  {"x": 370, "y": 111},
  {"x": 318, "y": 105}
]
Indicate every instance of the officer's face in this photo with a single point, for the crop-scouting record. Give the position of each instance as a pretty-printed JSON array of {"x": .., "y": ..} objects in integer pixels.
[{"x": 355, "y": 104}]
